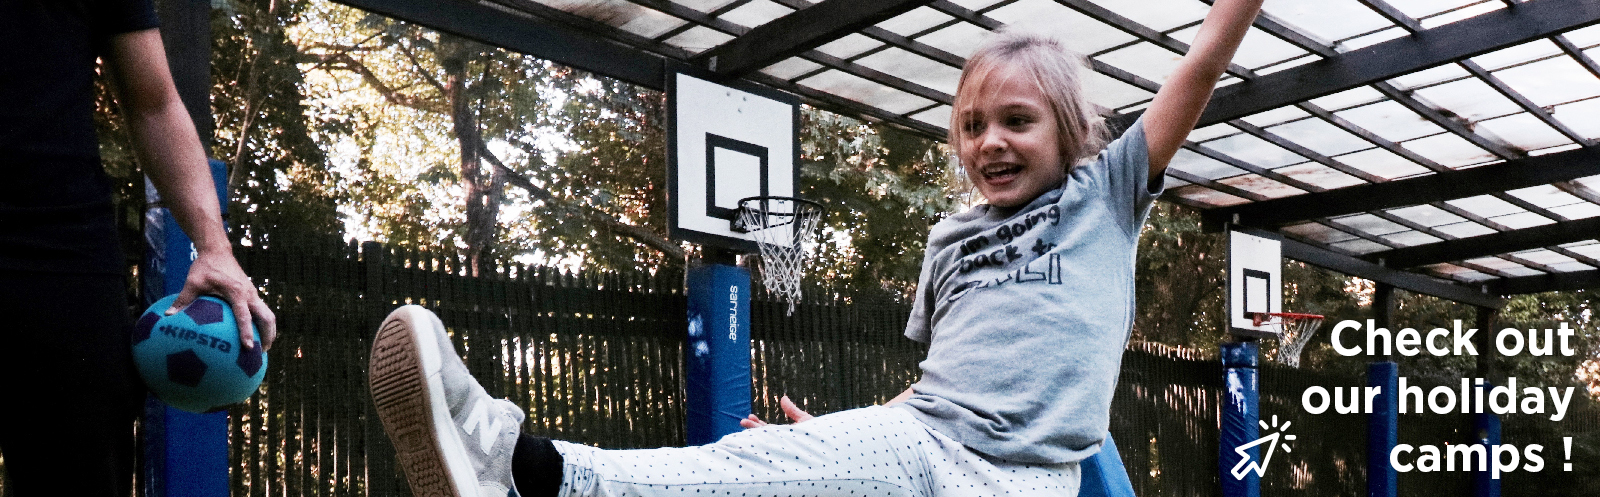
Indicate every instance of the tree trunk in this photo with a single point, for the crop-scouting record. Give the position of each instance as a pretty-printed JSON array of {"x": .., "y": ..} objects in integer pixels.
[{"x": 484, "y": 186}]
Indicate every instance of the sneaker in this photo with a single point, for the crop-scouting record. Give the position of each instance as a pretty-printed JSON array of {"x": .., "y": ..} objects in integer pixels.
[{"x": 451, "y": 437}]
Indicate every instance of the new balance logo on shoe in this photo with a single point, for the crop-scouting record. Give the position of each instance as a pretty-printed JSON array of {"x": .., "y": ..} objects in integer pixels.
[{"x": 478, "y": 419}]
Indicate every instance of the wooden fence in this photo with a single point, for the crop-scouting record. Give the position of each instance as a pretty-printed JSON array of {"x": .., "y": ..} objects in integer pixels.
[{"x": 596, "y": 358}]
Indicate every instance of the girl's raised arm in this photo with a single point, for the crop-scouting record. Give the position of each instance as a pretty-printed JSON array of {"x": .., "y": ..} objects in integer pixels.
[{"x": 1177, "y": 106}]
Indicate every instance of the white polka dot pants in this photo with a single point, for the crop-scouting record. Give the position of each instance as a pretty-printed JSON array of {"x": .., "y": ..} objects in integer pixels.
[{"x": 874, "y": 451}]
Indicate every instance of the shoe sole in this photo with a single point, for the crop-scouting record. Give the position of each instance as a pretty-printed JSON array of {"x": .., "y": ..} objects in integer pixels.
[{"x": 406, "y": 388}]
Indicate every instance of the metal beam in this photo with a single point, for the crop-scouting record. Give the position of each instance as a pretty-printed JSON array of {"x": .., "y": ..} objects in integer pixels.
[
  {"x": 1492, "y": 244},
  {"x": 798, "y": 32},
  {"x": 527, "y": 35},
  {"x": 1424, "y": 49},
  {"x": 1352, "y": 266},
  {"x": 1558, "y": 282},
  {"x": 1485, "y": 180}
]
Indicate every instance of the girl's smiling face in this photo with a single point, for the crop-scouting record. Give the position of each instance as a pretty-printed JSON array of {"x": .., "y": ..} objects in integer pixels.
[{"x": 1011, "y": 148}]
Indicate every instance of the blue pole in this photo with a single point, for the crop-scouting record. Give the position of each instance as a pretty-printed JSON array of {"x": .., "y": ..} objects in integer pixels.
[
  {"x": 1241, "y": 418},
  {"x": 717, "y": 362},
  {"x": 1487, "y": 428},
  {"x": 1383, "y": 429},
  {"x": 186, "y": 454}
]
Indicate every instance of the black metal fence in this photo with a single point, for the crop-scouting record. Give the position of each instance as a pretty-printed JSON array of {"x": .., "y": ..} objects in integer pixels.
[{"x": 596, "y": 358}]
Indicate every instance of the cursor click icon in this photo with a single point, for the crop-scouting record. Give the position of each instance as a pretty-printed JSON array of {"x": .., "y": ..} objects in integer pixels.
[{"x": 1245, "y": 465}]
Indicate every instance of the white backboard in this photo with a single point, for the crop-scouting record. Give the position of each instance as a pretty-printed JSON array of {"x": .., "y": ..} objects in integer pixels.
[
  {"x": 726, "y": 143},
  {"x": 1255, "y": 280}
]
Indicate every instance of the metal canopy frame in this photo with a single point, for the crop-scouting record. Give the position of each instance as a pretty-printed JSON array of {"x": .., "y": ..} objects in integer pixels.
[{"x": 1521, "y": 211}]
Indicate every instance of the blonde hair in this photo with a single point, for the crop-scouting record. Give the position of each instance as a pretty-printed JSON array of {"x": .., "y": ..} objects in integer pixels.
[{"x": 1080, "y": 131}]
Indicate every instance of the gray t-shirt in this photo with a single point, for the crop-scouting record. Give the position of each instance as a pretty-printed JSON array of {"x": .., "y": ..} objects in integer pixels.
[{"x": 1026, "y": 312}]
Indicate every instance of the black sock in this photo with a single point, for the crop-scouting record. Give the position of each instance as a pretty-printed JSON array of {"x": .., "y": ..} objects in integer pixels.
[{"x": 536, "y": 467}]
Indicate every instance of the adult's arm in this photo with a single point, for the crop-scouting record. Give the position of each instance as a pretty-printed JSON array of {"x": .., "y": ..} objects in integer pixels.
[
  {"x": 169, "y": 150},
  {"x": 1177, "y": 106}
]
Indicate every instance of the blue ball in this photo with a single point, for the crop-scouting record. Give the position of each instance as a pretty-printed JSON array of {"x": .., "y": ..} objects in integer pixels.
[{"x": 192, "y": 359}]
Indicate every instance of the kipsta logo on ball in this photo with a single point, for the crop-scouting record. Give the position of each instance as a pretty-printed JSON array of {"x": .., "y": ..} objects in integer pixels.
[{"x": 192, "y": 359}]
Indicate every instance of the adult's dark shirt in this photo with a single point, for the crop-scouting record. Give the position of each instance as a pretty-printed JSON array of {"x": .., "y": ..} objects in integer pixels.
[{"x": 55, "y": 198}]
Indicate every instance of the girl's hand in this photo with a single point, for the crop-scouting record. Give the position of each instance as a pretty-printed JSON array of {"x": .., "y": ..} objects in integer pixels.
[{"x": 789, "y": 409}]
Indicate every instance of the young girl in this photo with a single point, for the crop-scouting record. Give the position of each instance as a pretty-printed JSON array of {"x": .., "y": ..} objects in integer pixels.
[{"x": 1026, "y": 303}]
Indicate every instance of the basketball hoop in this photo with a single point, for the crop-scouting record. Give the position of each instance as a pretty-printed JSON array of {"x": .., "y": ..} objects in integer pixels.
[
  {"x": 1294, "y": 331},
  {"x": 781, "y": 227}
]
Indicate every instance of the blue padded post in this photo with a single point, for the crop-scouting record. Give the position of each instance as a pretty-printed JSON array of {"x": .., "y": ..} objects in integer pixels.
[
  {"x": 1487, "y": 430},
  {"x": 1383, "y": 429},
  {"x": 1104, "y": 475},
  {"x": 1241, "y": 417},
  {"x": 185, "y": 454},
  {"x": 717, "y": 362}
]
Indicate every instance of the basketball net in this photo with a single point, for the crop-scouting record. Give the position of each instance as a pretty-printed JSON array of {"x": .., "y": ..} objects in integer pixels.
[
  {"x": 781, "y": 227},
  {"x": 1294, "y": 332}
]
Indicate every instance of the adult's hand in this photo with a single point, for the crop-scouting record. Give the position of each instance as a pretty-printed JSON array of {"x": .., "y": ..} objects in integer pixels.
[
  {"x": 218, "y": 273},
  {"x": 789, "y": 409},
  {"x": 170, "y": 152}
]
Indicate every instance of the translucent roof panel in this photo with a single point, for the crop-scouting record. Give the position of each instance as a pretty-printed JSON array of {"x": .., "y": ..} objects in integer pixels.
[
  {"x": 1582, "y": 116},
  {"x": 756, "y": 13},
  {"x": 1353, "y": 97},
  {"x": 1275, "y": 116},
  {"x": 849, "y": 46},
  {"x": 1162, "y": 15},
  {"x": 1328, "y": 20},
  {"x": 1390, "y": 120},
  {"x": 1288, "y": 64},
  {"x": 1319, "y": 175},
  {"x": 1382, "y": 163},
  {"x": 1078, "y": 31},
  {"x": 937, "y": 116},
  {"x": 958, "y": 38},
  {"x": 706, "y": 6},
  {"x": 1318, "y": 232},
  {"x": 862, "y": 90},
  {"x": 1426, "y": 215},
  {"x": 916, "y": 21},
  {"x": 1255, "y": 151},
  {"x": 1584, "y": 37},
  {"x": 1212, "y": 131},
  {"x": 1202, "y": 166},
  {"x": 1260, "y": 185},
  {"x": 1544, "y": 256},
  {"x": 914, "y": 68},
  {"x": 1110, "y": 93},
  {"x": 1522, "y": 220},
  {"x": 1360, "y": 246},
  {"x": 791, "y": 68},
  {"x": 1464, "y": 229},
  {"x": 1259, "y": 49},
  {"x": 1321, "y": 137},
  {"x": 1520, "y": 54},
  {"x": 1583, "y": 210},
  {"x": 1411, "y": 237},
  {"x": 1428, "y": 77},
  {"x": 1365, "y": 41},
  {"x": 1524, "y": 131},
  {"x": 1470, "y": 98},
  {"x": 1545, "y": 196},
  {"x": 1145, "y": 60},
  {"x": 1552, "y": 81},
  {"x": 1370, "y": 224},
  {"x": 699, "y": 39},
  {"x": 1448, "y": 149},
  {"x": 1485, "y": 206},
  {"x": 1444, "y": 18},
  {"x": 1207, "y": 196}
]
